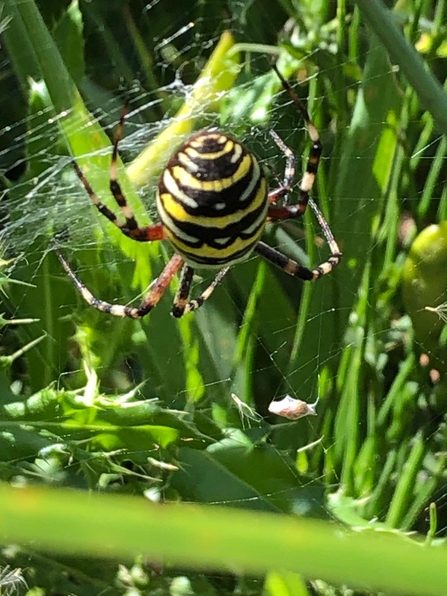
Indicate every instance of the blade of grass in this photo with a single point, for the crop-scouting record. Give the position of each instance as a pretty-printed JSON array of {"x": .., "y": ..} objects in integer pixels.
[
  {"x": 430, "y": 92},
  {"x": 119, "y": 526},
  {"x": 404, "y": 492}
]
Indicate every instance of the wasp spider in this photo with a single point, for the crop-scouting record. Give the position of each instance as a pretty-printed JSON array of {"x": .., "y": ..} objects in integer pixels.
[{"x": 213, "y": 202}]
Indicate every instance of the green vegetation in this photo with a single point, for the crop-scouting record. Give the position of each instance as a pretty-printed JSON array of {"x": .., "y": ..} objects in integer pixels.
[{"x": 137, "y": 409}]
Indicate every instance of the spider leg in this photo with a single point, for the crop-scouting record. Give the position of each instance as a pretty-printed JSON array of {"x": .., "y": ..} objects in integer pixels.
[
  {"x": 144, "y": 234},
  {"x": 282, "y": 191},
  {"x": 308, "y": 179},
  {"x": 115, "y": 188},
  {"x": 155, "y": 292},
  {"x": 292, "y": 267},
  {"x": 130, "y": 226},
  {"x": 313, "y": 161},
  {"x": 181, "y": 298},
  {"x": 280, "y": 213},
  {"x": 284, "y": 211},
  {"x": 181, "y": 304},
  {"x": 327, "y": 232}
]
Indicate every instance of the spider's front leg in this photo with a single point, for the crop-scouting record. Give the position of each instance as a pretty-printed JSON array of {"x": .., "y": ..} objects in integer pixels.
[
  {"x": 127, "y": 224},
  {"x": 282, "y": 212}
]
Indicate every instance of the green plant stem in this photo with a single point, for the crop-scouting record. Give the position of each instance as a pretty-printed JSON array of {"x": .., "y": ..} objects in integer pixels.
[{"x": 430, "y": 92}]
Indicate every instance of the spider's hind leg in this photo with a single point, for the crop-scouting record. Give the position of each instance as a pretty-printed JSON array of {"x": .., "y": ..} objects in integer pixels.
[
  {"x": 181, "y": 304},
  {"x": 156, "y": 290},
  {"x": 292, "y": 267}
]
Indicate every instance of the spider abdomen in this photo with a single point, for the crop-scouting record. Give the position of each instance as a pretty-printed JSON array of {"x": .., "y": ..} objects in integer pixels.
[{"x": 212, "y": 200}]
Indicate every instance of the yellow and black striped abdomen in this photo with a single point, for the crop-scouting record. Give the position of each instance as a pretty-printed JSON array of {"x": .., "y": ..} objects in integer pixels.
[{"x": 212, "y": 200}]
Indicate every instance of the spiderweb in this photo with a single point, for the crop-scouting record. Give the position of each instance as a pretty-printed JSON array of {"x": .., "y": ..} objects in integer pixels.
[{"x": 353, "y": 342}]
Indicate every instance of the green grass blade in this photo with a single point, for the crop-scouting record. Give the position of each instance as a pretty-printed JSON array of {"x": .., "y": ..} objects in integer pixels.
[{"x": 120, "y": 526}]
